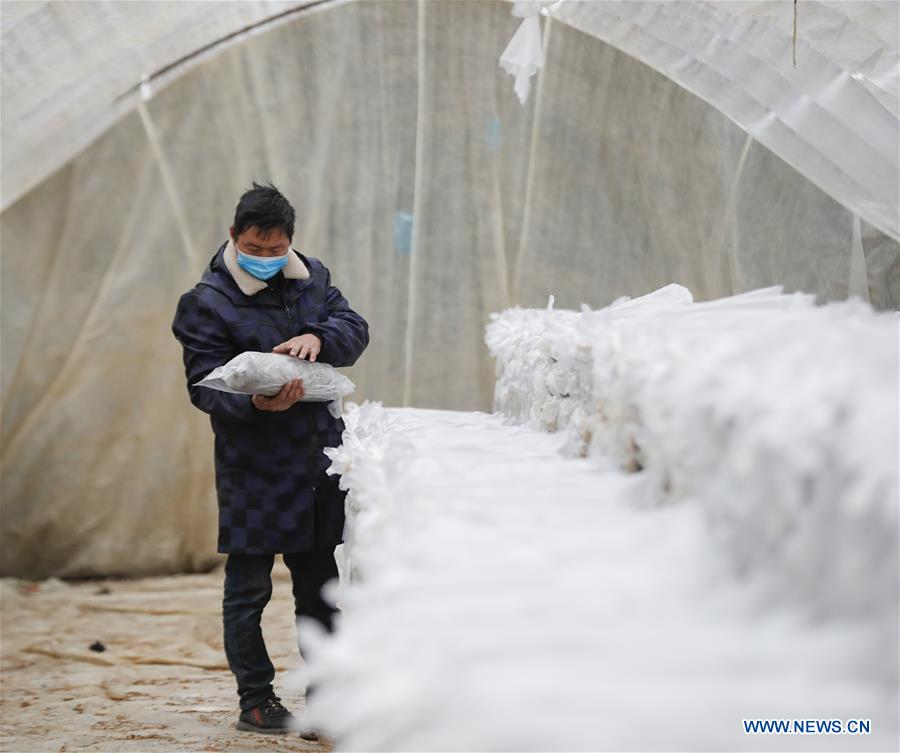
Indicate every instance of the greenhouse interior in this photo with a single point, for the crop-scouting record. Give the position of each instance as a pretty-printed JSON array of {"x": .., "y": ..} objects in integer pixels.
[{"x": 450, "y": 375}]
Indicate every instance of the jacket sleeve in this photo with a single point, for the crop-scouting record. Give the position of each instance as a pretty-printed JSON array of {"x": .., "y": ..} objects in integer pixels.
[
  {"x": 206, "y": 345},
  {"x": 344, "y": 334}
]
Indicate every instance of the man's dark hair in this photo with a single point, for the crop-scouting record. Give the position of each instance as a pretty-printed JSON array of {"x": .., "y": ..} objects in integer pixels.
[{"x": 264, "y": 207}]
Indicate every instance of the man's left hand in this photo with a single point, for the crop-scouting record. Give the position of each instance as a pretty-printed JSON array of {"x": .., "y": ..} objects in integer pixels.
[{"x": 302, "y": 346}]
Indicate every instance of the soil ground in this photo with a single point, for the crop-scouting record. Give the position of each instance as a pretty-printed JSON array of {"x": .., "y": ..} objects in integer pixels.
[{"x": 161, "y": 684}]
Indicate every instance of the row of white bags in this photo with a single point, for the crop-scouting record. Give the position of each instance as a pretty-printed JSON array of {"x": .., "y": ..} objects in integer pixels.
[{"x": 777, "y": 416}]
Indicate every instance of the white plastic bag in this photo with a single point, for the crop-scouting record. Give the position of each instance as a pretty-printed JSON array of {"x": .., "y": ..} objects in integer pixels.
[
  {"x": 254, "y": 373},
  {"x": 524, "y": 54}
]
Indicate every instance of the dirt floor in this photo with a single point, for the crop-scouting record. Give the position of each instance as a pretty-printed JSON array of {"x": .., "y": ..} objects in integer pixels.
[{"x": 161, "y": 684}]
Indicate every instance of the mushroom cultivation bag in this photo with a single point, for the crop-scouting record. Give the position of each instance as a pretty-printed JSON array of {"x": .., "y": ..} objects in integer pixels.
[{"x": 266, "y": 373}]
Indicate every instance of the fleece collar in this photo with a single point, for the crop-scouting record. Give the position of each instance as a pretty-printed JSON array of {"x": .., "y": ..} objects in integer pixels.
[{"x": 295, "y": 269}]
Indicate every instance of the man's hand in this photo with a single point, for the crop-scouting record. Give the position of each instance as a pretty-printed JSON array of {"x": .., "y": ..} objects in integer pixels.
[
  {"x": 289, "y": 394},
  {"x": 301, "y": 346}
]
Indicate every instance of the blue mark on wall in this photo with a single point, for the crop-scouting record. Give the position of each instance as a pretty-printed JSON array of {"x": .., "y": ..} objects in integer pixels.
[
  {"x": 493, "y": 134},
  {"x": 403, "y": 225}
]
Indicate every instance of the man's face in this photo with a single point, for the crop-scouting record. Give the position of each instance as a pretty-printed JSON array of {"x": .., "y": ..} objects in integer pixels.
[{"x": 258, "y": 242}]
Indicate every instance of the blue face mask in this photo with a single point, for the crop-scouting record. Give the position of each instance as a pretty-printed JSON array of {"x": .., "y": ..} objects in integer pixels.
[{"x": 261, "y": 267}]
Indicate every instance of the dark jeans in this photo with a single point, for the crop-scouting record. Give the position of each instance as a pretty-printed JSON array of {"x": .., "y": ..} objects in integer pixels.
[{"x": 248, "y": 588}]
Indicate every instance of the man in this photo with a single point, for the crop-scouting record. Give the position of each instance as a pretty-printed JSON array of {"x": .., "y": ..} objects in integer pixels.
[{"x": 274, "y": 496}]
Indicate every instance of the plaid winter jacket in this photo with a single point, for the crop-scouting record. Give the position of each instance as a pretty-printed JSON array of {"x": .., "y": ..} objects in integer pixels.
[{"x": 273, "y": 492}]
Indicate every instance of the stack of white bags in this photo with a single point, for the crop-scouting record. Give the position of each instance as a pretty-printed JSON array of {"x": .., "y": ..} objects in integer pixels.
[
  {"x": 513, "y": 589},
  {"x": 778, "y": 416}
]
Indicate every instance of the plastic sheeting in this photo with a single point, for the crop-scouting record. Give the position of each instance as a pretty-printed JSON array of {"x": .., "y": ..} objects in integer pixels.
[
  {"x": 833, "y": 116},
  {"x": 70, "y": 67},
  {"x": 431, "y": 194}
]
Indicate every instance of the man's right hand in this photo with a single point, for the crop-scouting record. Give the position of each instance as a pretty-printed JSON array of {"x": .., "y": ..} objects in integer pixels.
[{"x": 289, "y": 394}]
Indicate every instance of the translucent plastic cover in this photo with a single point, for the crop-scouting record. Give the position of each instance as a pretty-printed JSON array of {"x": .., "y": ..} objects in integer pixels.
[{"x": 433, "y": 196}]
